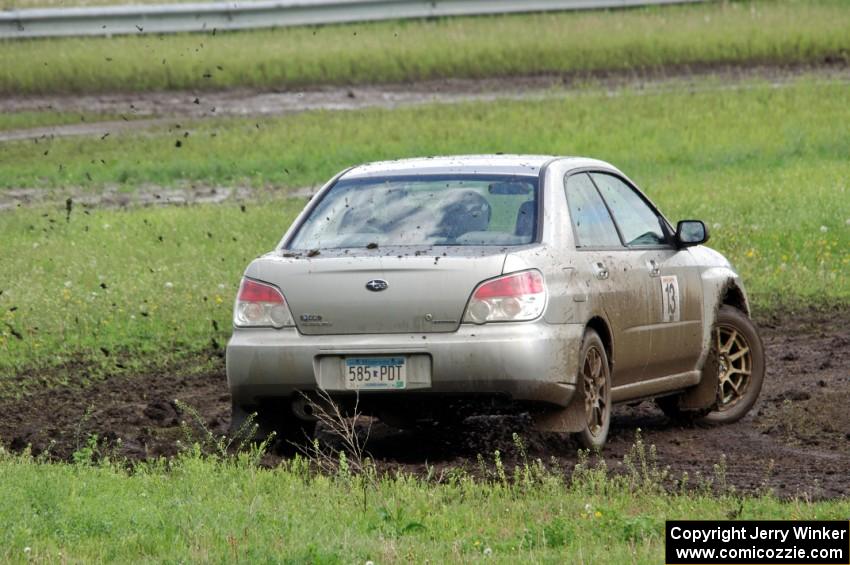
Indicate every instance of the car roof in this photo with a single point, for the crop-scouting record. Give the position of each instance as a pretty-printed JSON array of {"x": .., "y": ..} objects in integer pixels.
[{"x": 528, "y": 165}]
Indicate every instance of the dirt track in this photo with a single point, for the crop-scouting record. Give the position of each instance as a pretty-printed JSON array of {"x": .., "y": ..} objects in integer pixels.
[
  {"x": 151, "y": 109},
  {"x": 796, "y": 441}
]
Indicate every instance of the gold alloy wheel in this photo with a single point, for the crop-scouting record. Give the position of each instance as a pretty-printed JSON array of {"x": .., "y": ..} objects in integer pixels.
[
  {"x": 734, "y": 365},
  {"x": 595, "y": 393}
]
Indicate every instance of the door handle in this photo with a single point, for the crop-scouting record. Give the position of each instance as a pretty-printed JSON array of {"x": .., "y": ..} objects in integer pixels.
[
  {"x": 654, "y": 269},
  {"x": 600, "y": 271}
]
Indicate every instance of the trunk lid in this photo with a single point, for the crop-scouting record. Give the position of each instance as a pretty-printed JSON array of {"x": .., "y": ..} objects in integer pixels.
[{"x": 426, "y": 290}]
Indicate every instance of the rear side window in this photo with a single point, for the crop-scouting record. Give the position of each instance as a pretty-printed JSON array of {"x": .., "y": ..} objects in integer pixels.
[
  {"x": 638, "y": 223},
  {"x": 468, "y": 209},
  {"x": 593, "y": 224}
]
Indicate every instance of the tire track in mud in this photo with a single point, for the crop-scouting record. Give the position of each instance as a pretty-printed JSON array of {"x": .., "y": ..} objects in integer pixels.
[
  {"x": 145, "y": 196},
  {"x": 796, "y": 440},
  {"x": 152, "y": 109}
]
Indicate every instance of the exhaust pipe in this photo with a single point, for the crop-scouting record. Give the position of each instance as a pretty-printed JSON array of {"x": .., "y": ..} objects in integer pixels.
[{"x": 304, "y": 408}]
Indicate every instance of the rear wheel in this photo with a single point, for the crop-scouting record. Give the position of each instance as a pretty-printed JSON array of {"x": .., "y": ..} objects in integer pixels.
[
  {"x": 739, "y": 354},
  {"x": 594, "y": 386},
  {"x": 276, "y": 418}
]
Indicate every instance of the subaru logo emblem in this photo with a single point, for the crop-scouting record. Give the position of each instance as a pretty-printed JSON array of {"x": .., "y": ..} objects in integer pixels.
[{"x": 376, "y": 285}]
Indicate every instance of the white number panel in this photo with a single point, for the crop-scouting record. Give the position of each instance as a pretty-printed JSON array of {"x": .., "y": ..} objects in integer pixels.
[{"x": 670, "y": 308}]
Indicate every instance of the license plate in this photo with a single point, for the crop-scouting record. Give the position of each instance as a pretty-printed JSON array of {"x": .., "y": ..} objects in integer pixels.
[{"x": 375, "y": 373}]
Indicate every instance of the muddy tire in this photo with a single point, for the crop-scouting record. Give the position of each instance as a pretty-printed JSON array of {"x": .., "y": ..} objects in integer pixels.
[
  {"x": 594, "y": 386},
  {"x": 291, "y": 431},
  {"x": 287, "y": 428},
  {"x": 738, "y": 356}
]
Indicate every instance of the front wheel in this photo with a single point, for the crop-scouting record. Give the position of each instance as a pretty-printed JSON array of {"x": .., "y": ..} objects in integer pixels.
[
  {"x": 594, "y": 386},
  {"x": 738, "y": 353},
  {"x": 740, "y": 366}
]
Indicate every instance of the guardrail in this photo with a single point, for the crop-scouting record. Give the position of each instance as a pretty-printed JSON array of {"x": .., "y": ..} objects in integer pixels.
[{"x": 174, "y": 18}]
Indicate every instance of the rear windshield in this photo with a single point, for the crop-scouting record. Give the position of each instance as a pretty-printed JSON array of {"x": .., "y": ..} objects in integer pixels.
[{"x": 423, "y": 210}]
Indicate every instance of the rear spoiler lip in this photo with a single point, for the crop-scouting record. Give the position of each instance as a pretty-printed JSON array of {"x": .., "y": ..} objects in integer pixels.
[{"x": 412, "y": 251}]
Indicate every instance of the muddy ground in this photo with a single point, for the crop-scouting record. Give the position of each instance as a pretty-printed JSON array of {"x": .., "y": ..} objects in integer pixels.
[
  {"x": 151, "y": 109},
  {"x": 796, "y": 441}
]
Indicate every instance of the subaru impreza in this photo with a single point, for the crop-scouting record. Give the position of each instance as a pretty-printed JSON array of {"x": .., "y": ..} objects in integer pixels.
[{"x": 437, "y": 288}]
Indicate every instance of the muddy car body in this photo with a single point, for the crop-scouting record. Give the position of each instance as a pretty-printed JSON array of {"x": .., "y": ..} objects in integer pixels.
[{"x": 441, "y": 286}]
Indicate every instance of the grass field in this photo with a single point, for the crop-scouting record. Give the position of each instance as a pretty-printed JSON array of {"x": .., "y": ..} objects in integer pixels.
[
  {"x": 89, "y": 293},
  {"x": 801, "y": 31},
  {"x": 766, "y": 168},
  {"x": 197, "y": 509},
  {"x": 706, "y": 129},
  {"x": 113, "y": 286}
]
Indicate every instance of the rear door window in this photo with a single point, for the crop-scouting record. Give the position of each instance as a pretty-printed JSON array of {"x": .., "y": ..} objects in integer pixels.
[
  {"x": 639, "y": 225},
  {"x": 591, "y": 220}
]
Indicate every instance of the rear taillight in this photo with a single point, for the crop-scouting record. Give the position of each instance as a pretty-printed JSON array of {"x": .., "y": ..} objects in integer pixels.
[
  {"x": 261, "y": 305},
  {"x": 512, "y": 298}
]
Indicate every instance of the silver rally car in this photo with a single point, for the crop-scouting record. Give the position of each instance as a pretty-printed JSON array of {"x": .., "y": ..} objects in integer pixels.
[{"x": 436, "y": 288}]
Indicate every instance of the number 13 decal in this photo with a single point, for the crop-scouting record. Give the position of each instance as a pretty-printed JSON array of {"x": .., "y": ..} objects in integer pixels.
[{"x": 670, "y": 299}]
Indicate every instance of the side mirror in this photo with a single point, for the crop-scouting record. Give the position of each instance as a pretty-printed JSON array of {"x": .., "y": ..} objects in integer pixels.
[{"x": 690, "y": 233}]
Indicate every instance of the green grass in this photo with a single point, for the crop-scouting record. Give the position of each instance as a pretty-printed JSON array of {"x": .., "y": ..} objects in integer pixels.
[
  {"x": 706, "y": 129},
  {"x": 766, "y": 168},
  {"x": 106, "y": 280},
  {"x": 653, "y": 38},
  {"x": 197, "y": 509}
]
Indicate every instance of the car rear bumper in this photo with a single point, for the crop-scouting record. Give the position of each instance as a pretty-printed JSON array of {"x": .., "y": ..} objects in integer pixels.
[{"x": 533, "y": 362}]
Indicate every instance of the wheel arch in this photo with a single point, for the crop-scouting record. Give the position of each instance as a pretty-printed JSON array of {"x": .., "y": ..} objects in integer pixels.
[
  {"x": 721, "y": 286},
  {"x": 601, "y": 327},
  {"x": 734, "y": 296}
]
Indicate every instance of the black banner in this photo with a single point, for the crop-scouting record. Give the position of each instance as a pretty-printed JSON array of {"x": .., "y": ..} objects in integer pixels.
[{"x": 768, "y": 542}]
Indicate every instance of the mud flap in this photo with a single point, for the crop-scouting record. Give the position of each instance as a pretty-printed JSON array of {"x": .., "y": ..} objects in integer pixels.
[
  {"x": 565, "y": 420},
  {"x": 238, "y": 415},
  {"x": 703, "y": 396}
]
